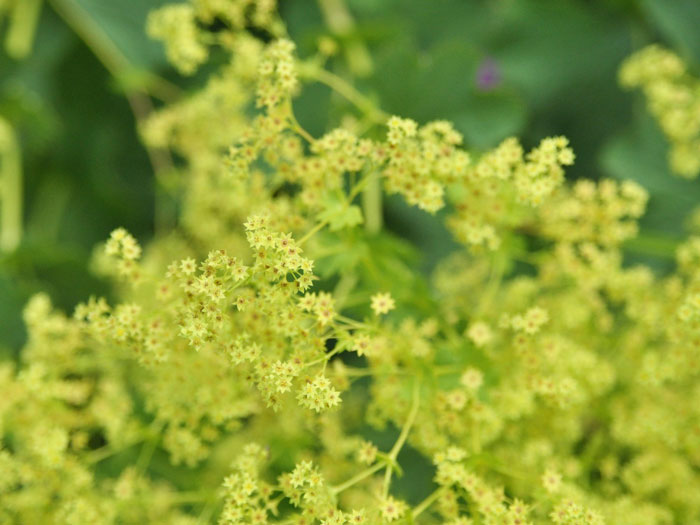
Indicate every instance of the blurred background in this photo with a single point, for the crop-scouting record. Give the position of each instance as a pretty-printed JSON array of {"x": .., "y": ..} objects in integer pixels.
[{"x": 72, "y": 77}]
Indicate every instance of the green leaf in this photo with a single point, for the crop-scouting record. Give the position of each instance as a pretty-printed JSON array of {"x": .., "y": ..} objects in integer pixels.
[
  {"x": 545, "y": 47},
  {"x": 489, "y": 118},
  {"x": 340, "y": 216},
  {"x": 679, "y": 22},
  {"x": 341, "y": 255}
]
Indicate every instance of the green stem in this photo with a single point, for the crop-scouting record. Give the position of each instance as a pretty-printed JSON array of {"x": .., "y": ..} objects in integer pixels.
[
  {"x": 346, "y": 90},
  {"x": 313, "y": 231},
  {"x": 165, "y": 212},
  {"x": 342, "y": 25},
  {"x": 650, "y": 243},
  {"x": 390, "y": 459},
  {"x": 427, "y": 502},
  {"x": 11, "y": 188},
  {"x": 207, "y": 512},
  {"x": 372, "y": 204},
  {"x": 149, "y": 447},
  {"x": 121, "y": 69},
  {"x": 20, "y": 35},
  {"x": 97, "y": 455},
  {"x": 352, "y": 322},
  {"x": 298, "y": 127},
  {"x": 107, "y": 51},
  {"x": 498, "y": 269},
  {"x": 345, "y": 285},
  {"x": 325, "y": 358},
  {"x": 99, "y": 43},
  {"x": 357, "y": 478},
  {"x": 355, "y": 191},
  {"x": 393, "y": 454}
]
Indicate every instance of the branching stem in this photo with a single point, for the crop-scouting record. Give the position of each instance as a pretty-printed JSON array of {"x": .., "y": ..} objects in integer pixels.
[{"x": 394, "y": 452}]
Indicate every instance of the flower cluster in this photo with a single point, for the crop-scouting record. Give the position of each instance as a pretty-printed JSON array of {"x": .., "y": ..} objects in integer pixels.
[
  {"x": 422, "y": 160},
  {"x": 318, "y": 394},
  {"x": 500, "y": 190},
  {"x": 530, "y": 322},
  {"x": 460, "y": 484},
  {"x": 571, "y": 513},
  {"x": 124, "y": 251},
  {"x": 277, "y": 74},
  {"x": 604, "y": 213},
  {"x": 180, "y": 27},
  {"x": 536, "y": 367},
  {"x": 176, "y": 26},
  {"x": 673, "y": 98},
  {"x": 247, "y": 498}
]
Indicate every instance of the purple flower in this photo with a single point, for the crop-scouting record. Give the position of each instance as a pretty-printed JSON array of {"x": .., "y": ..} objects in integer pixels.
[{"x": 488, "y": 76}]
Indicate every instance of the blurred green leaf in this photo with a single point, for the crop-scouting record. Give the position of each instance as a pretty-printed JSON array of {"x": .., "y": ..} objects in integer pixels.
[
  {"x": 340, "y": 216},
  {"x": 679, "y": 22},
  {"x": 124, "y": 23},
  {"x": 488, "y": 118},
  {"x": 340, "y": 254},
  {"x": 34, "y": 76},
  {"x": 547, "y": 46}
]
